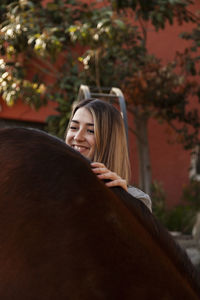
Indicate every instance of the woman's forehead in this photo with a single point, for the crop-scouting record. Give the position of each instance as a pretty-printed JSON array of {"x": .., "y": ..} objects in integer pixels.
[{"x": 83, "y": 115}]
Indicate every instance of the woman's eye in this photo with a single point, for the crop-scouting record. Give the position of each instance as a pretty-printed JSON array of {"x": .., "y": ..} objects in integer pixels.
[
  {"x": 91, "y": 131},
  {"x": 73, "y": 127}
]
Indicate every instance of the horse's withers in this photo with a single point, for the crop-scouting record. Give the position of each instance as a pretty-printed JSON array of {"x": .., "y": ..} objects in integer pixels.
[{"x": 65, "y": 235}]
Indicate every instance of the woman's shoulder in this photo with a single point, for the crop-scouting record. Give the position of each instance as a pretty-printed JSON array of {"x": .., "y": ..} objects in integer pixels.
[{"x": 137, "y": 193}]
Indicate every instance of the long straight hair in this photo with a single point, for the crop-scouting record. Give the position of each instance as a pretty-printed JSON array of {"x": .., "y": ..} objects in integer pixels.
[{"x": 111, "y": 144}]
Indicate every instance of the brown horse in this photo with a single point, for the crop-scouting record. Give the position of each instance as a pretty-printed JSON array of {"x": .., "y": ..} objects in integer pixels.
[{"x": 65, "y": 235}]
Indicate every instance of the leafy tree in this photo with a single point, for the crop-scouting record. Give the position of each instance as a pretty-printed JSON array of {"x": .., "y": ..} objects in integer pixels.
[
  {"x": 151, "y": 88},
  {"x": 66, "y": 43},
  {"x": 37, "y": 61}
]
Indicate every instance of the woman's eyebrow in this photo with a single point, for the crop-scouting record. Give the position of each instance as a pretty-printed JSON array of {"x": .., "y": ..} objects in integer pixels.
[{"x": 77, "y": 122}]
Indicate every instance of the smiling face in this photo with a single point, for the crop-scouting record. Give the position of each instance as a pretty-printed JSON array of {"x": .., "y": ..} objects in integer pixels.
[{"x": 80, "y": 134}]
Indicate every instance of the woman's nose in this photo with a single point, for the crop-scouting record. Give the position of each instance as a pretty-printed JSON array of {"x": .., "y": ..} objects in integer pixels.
[{"x": 79, "y": 136}]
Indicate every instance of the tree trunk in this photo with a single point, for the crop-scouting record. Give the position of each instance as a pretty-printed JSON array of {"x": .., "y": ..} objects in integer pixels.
[{"x": 141, "y": 127}]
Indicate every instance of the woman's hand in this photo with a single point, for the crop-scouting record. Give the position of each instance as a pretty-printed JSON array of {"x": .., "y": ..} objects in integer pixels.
[{"x": 103, "y": 173}]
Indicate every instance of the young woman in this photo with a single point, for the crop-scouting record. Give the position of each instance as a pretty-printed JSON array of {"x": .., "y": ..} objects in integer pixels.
[{"x": 96, "y": 130}]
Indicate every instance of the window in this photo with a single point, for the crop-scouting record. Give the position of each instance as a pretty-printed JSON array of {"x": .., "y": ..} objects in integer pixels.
[{"x": 195, "y": 164}]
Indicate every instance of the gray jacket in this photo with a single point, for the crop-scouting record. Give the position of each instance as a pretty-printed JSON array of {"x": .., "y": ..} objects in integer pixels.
[{"x": 135, "y": 192}]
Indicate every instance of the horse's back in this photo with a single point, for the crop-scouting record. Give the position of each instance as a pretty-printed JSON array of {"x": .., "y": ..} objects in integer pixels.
[{"x": 64, "y": 235}]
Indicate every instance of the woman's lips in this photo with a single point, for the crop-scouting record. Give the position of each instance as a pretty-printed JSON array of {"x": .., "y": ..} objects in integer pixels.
[{"x": 80, "y": 148}]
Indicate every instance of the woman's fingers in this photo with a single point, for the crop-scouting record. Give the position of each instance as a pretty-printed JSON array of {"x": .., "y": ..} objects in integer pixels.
[
  {"x": 108, "y": 175},
  {"x": 103, "y": 173},
  {"x": 100, "y": 170},
  {"x": 97, "y": 165},
  {"x": 119, "y": 182}
]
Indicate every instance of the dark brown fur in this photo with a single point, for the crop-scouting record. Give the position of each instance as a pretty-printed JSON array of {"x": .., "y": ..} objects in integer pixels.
[{"x": 64, "y": 235}]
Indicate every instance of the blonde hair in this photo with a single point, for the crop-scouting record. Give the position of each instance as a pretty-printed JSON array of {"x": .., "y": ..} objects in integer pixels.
[{"x": 111, "y": 144}]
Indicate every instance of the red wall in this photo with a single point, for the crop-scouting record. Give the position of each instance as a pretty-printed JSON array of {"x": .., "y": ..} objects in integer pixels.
[
  {"x": 170, "y": 163},
  {"x": 25, "y": 113}
]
